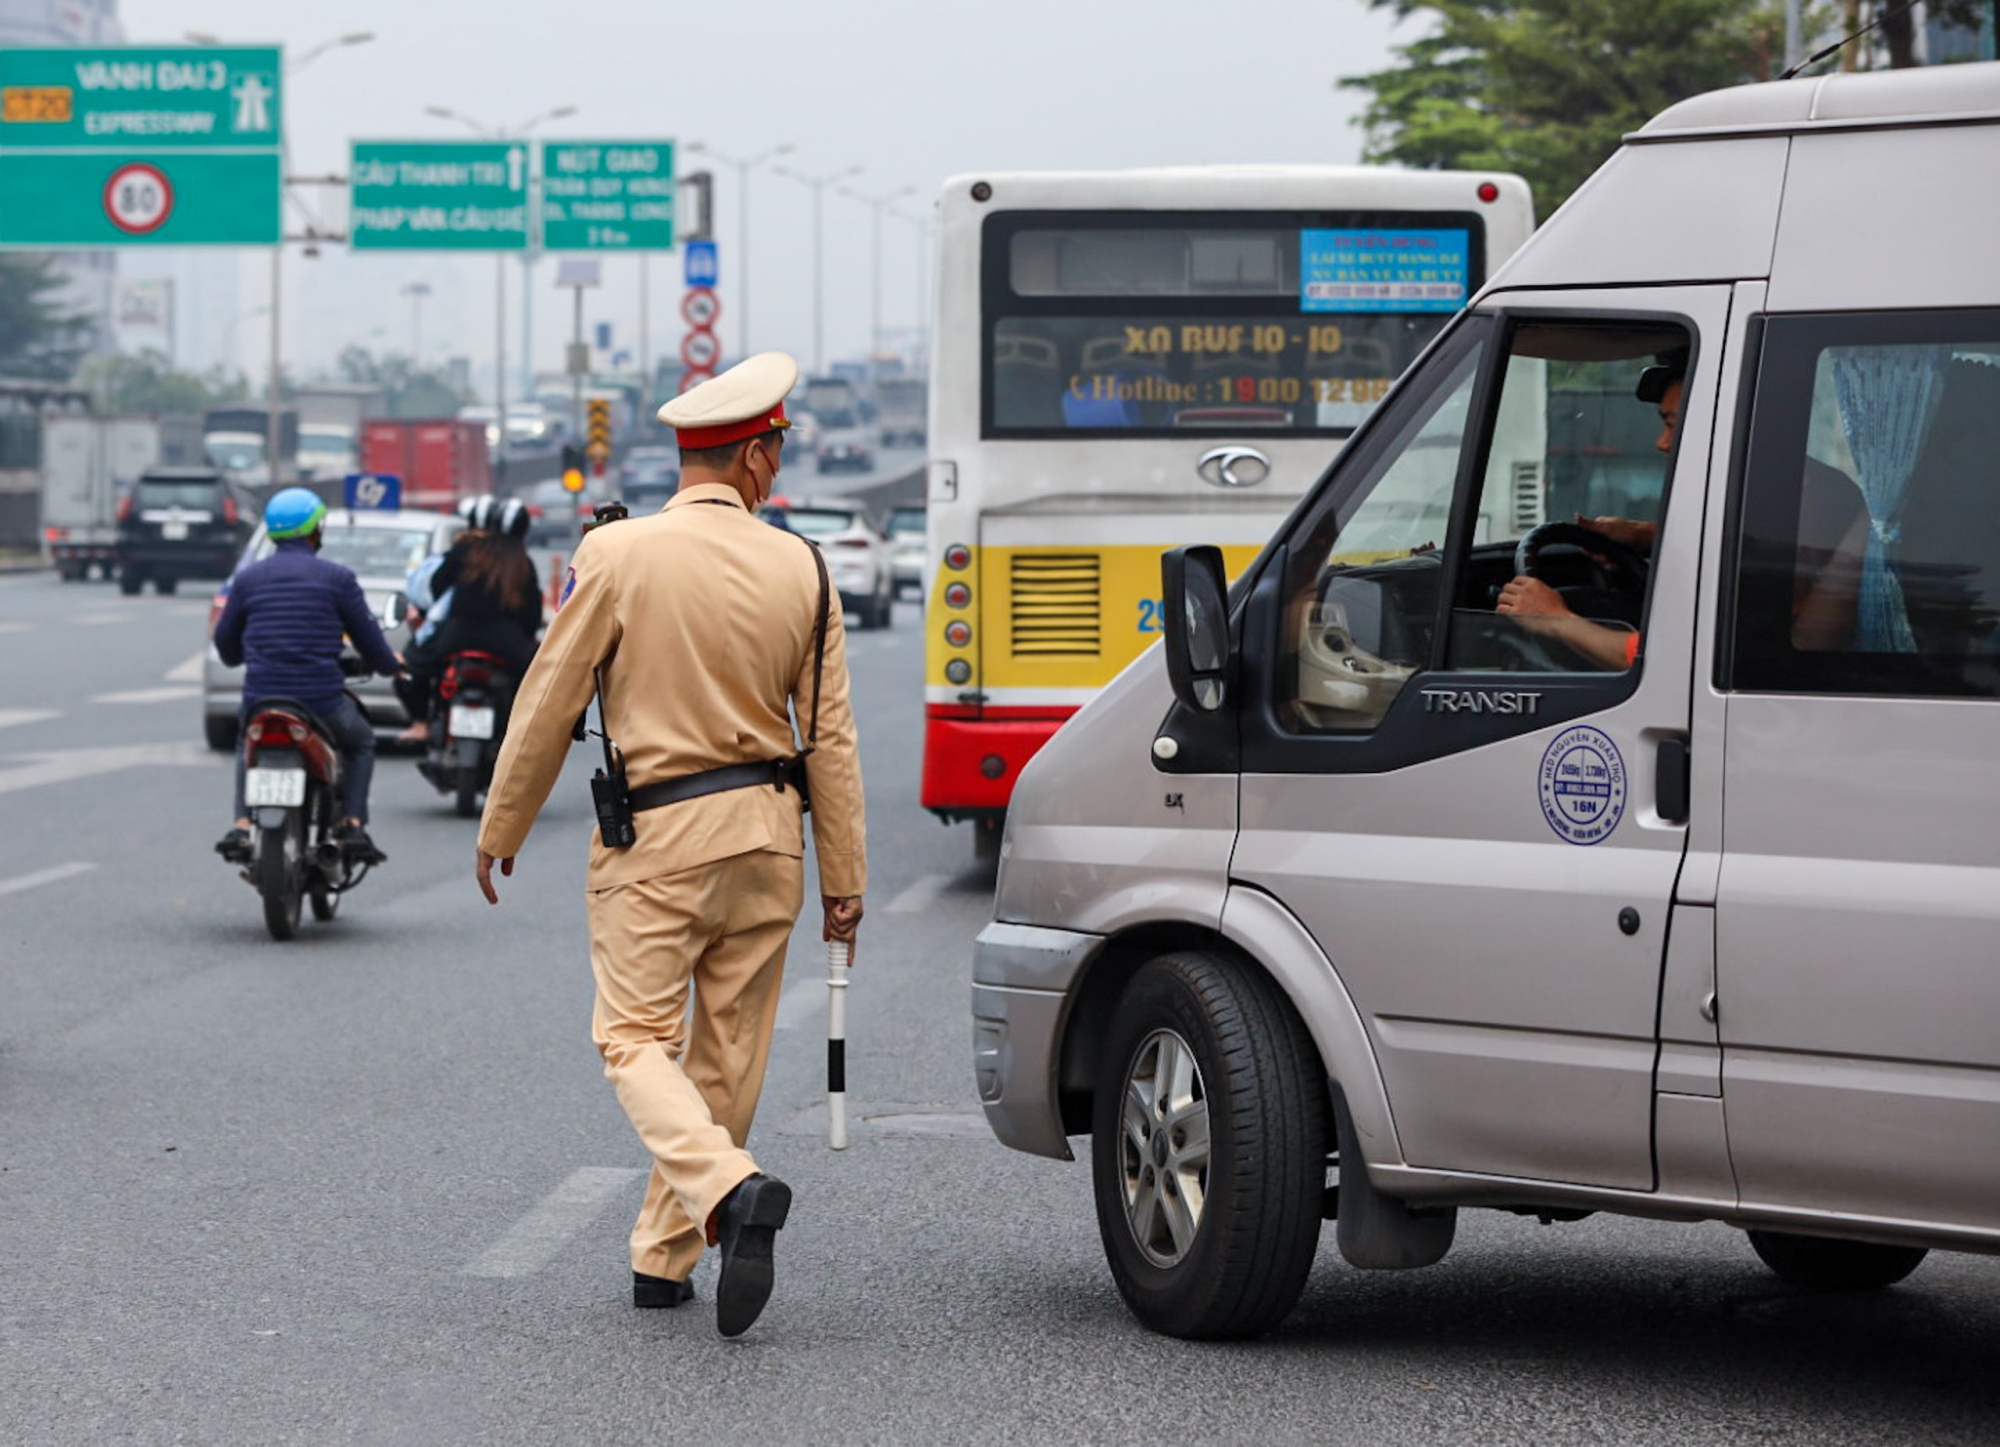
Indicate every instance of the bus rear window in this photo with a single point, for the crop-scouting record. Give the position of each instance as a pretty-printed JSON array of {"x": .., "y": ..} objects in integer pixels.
[{"x": 1111, "y": 325}]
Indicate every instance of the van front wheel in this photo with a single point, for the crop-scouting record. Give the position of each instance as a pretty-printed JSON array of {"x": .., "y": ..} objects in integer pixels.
[
  {"x": 1210, "y": 1138},
  {"x": 1826, "y": 1264}
]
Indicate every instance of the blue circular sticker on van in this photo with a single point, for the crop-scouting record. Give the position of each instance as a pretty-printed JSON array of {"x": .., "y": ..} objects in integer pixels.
[{"x": 1583, "y": 785}]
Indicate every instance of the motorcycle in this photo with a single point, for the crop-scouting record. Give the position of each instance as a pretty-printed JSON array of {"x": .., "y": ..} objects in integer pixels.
[
  {"x": 292, "y": 787},
  {"x": 475, "y": 693}
]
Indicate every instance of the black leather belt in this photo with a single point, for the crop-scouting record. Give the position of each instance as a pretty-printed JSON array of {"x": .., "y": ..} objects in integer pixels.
[{"x": 767, "y": 773}]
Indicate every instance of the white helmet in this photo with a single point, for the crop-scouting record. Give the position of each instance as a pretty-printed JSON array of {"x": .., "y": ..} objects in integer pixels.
[{"x": 511, "y": 518}]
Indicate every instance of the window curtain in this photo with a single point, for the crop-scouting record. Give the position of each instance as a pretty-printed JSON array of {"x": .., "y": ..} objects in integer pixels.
[{"x": 1888, "y": 399}]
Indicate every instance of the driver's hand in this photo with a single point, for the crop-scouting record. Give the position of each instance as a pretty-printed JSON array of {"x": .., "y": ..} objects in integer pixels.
[
  {"x": 1629, "y": 531},
  {"x": 1534, "y": 602}
]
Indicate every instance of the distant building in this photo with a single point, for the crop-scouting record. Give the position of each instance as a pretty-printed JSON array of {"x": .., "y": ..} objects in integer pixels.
[{"x": 91, "y": 277}]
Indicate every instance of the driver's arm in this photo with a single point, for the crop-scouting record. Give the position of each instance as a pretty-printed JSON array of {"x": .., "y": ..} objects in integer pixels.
[
  {"x": 1541, "y": 609},
  {"x": 1630, "y": 531}
]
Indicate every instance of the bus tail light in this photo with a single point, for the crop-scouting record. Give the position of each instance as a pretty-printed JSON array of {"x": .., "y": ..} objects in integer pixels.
[
  {"x": 958, "y": 557},
  {"x": 1488, "y": 192},
  {"x": 958, "y": 671},
  {"x": 958, "y": 633},
  {"x": 957, "y": 595}
]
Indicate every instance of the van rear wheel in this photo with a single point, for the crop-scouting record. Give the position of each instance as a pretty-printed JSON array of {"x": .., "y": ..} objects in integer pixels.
[
  {"x": 1827, "y": 1264},
  {"x": 1209, "y": 1147}
]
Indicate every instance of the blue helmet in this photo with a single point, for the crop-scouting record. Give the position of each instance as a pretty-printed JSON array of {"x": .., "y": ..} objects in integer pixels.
[{"x": 296, "y": 512}]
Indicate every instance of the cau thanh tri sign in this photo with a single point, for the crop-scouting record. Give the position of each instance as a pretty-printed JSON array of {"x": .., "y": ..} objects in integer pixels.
[
  {"x": 167, "y": 145},
  {"x": 438, "y": 196}
]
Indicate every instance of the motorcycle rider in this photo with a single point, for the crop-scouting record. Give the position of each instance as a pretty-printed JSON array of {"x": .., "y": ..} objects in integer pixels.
[
  {"x": 496, "y": 607},
  {"x": 286, "y": 617}
]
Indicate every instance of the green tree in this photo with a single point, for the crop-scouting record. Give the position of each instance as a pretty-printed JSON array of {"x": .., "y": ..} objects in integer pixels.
[
  {"x": 37, "y": 337},
  {"x": 412, "y": 391},
  {"x": 1545, "y": 88},
  {"x": 147, "y": 383}
]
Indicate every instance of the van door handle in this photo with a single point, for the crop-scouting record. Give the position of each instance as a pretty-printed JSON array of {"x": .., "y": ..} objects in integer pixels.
[{"x": 1670, "y": 780}]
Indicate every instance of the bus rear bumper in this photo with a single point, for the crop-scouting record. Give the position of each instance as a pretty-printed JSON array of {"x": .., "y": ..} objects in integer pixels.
[{"x": 970, "y": 765}]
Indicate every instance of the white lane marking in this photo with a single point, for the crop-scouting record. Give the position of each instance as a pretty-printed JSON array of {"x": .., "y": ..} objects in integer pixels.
[
  {"x": 44, "y": 876},
  {"x": 533, "y": 1241},
  {"x": 165, "y": 693},
  {"x": 68, "y": 765},
  {"x": 796, "y": 1005},
  {"x": 92, "y": 620},
  {"x": 917, "y": 898},
  {"x": 15, "y": 627},
  {"x": 189, "y": 671},
  {"x": 11, "y": 716}
]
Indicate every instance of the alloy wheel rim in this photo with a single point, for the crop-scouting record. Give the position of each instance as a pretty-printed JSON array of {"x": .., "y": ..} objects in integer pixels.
[{"x": 1164, "y": 1148}]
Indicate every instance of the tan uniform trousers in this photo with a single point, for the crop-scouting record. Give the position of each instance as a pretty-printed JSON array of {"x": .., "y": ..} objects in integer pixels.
[{"x": 724, "y": 926}]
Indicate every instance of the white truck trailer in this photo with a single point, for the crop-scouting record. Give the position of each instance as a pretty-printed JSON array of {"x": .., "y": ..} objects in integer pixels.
[{"x": 88, "y": 464}]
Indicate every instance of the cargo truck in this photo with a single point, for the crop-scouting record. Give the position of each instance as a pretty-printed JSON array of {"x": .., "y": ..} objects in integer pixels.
[
  {"x": 440, "y": 460},
  {"x": 88, "y": 463}
]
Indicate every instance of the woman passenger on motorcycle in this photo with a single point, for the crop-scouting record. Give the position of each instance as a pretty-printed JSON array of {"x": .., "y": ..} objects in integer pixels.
[{"x": 496, "y": 607}]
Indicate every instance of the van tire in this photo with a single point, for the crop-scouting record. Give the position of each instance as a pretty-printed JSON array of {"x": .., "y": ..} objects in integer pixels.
[
  {"x": 1826, "y": 1264},
  {"x": 1268, "y": 1131}
]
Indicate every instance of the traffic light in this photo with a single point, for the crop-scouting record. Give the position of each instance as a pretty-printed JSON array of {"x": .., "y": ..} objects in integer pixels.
[
  {"x": 572, "y": 467},
  {"x": 599, "y": 433}
]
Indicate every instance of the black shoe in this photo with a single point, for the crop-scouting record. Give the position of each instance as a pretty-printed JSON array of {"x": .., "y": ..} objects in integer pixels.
[
  {"x": 356, "y": 845},
  {"x": 749, "y": 1219},
  {"x": 660, "y": 1290},
  {"x": 234, "y": 846}
]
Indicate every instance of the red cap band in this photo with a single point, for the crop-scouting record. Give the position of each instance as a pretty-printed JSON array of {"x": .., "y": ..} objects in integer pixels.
[{"x": 699, "y": 439}]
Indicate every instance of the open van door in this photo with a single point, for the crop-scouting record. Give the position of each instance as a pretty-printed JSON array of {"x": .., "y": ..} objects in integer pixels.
[{"x": 1464, "y": 719}]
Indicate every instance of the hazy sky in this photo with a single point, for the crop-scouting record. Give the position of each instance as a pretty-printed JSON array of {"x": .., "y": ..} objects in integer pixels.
[{"x": 911, "y": 90}]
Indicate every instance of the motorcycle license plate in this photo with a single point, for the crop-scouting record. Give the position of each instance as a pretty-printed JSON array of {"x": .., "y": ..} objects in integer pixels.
[
  {"x": 174, "y": 532},
  {"x": 283, "y": 788},
  {"x": 471, "y": 721}
]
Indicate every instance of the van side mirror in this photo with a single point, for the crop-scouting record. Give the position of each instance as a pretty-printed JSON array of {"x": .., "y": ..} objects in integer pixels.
[{"x": 1194, "y": 613}]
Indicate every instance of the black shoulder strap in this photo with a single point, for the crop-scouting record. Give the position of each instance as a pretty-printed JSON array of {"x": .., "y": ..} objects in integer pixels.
[{"x": 819, "y": 639}]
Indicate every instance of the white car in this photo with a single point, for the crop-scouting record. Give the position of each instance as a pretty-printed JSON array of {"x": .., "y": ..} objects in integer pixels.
[
  {"x": 846, "y": 443},
  {"x": 858, "y": 560},
  {"x": 906, "y": 546},
  {"x": 381, "y": 548}
]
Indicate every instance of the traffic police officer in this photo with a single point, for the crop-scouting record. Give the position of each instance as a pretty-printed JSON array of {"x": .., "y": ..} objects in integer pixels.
[{"x": 699, "y": 628}]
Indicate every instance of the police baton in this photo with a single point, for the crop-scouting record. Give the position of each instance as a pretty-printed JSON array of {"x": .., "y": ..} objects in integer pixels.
[{"x": 839, "y": 954}]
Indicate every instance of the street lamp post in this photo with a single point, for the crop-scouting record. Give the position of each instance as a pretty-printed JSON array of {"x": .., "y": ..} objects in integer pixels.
[
  {"x": 498, "y": 133},
  {"x": 818, "y": 185},
  {"x": 743, "y": 169},
  {"x": 878, "y": 205},
  {"x": 272, "y": 386},
  {"x": 416, "y": 291}
]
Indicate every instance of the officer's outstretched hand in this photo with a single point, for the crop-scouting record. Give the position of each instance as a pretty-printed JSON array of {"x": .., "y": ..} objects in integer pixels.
[
  {"x": 507, "y": 867},
  {"x": 843, "y": 918}
]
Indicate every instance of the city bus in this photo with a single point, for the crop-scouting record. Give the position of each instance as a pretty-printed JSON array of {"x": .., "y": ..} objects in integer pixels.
[{"x": 1128, "y": 361}]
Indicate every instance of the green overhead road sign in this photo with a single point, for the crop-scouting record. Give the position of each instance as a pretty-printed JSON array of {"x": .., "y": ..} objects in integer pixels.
[
  {"x": 438, "y": 196},
  {"x": 141, "y": 144},
  {"x": 608, "y": 195}
]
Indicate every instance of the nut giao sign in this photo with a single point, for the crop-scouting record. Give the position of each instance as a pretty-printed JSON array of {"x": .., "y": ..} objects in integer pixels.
[{"x": 168, "y": 145}]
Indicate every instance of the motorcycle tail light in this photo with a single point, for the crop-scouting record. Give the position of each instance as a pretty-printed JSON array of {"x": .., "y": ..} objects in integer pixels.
[{"x": 861, "y": 543}]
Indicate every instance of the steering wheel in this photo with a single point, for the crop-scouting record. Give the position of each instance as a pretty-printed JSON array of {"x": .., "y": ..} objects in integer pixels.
[{"x": 1626, "y": 566}]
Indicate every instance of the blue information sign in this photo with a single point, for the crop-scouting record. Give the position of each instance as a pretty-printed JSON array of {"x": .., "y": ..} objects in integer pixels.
[
  {"x": 700, "y": 263},
  {"x": 1384, "y": 271},
  {"x": 374, "y": 491}
]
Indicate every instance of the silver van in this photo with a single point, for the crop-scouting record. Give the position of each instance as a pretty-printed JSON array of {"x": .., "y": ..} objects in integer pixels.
[{"x": 1590, "y": 799}]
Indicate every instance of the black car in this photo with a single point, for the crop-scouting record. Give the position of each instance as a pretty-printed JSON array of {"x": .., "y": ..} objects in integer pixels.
[{"x": 181, "y": 522}]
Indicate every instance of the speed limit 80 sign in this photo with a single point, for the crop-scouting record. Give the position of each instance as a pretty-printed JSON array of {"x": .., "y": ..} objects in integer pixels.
[{"x": 138, "y": 198}]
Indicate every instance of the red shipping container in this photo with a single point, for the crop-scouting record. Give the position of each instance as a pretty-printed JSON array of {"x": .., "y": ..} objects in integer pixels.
[{"x": 439, "y": 461}]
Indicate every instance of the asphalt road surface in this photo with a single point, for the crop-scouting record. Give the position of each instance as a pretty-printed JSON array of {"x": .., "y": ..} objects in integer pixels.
[{"x": 371, "y": 1187}]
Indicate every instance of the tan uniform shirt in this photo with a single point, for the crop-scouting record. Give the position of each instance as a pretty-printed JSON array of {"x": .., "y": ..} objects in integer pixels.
[{"x": 702, "y": 619}]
